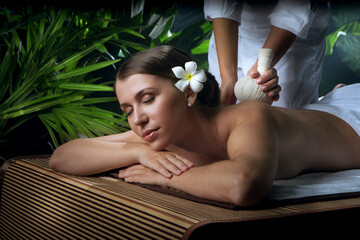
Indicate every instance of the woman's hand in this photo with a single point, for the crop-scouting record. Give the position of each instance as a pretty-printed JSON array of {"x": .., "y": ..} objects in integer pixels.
[
  {"x": 141, "y": 174},
  {"x": 227, "y": 95},
  {"x": 269, "y": 81},
  {"x": 164, "y": 162}
]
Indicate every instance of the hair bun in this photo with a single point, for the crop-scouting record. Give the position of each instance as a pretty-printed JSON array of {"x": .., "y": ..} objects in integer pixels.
[{"x": 210, "y": 94}]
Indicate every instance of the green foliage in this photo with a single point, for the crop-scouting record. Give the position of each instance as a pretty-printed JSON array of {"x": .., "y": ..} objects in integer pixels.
[
  {"x": 51, "y": 59},
  {"x": 194, "y": 40},
  {"x": 345, "y": 36},
  {"x": 46, "y": 61}
]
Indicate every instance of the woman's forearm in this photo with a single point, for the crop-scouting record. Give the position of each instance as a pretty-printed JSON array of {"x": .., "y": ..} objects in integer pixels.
[
  {"x": 280, "y": 40},
  {"x": 88, "y": 156},
  {"x": 208, "y": 181},
  {"x": 225, "y": 181},
  {"x": 226, "y": 39}
]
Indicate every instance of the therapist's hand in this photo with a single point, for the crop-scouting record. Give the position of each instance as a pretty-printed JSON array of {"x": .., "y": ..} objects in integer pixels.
[
  {"x": 269, "y": 81},
  {"x": 227, "y": 95}
]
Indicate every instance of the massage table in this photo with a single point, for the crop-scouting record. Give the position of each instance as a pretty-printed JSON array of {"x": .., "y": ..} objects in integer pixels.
[{"x": 39, "y": 203}]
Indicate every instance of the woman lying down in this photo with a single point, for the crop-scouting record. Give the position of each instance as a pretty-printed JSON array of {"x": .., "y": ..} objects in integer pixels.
[{"x": 181, "y": 138}]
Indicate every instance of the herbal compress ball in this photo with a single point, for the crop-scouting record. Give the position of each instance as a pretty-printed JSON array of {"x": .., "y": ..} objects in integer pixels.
[{"x": 246, "y": 88}]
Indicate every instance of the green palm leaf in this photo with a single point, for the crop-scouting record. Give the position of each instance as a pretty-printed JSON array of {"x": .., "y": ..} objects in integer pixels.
[
  {"x": 51, "y": 60},
  {"x": 77, "y": 56}
]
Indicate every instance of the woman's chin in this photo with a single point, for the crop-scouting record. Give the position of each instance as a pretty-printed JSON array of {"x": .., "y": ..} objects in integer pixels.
[{"x": 158, "y": 146}]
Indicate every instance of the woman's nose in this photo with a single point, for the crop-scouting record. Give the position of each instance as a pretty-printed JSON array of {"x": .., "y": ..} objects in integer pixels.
[{"x": 140, "y": 117}]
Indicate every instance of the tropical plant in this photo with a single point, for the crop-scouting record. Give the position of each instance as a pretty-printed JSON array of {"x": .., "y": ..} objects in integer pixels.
[
  {"x": 52, "y": 60},
  {"x": 46, "y": 59},
  {"x": 341, "y": 63},
  {"x": 346, "y": 35}
]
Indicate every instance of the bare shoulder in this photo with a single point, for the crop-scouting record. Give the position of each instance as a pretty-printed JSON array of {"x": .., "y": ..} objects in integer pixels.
[
  {"x": 245, "y": 117},
  {"x": 247, "y": 111},
  {"x": 250, "y": 123}
]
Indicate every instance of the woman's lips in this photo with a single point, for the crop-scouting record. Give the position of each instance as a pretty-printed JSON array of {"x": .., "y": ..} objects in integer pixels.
[{"x": 150, "y": 134}]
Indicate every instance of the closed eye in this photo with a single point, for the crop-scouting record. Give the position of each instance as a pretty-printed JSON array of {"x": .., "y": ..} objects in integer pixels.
[
  {"x": 150, "y": 100},
  {"x": 127, "y": 110},
  {"x": 129, "y": 113}
]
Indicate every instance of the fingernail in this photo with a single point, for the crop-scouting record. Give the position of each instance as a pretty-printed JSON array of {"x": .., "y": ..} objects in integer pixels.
[
  {"x": 263, "y": 88},
  {"x": 258, "y": 80}
]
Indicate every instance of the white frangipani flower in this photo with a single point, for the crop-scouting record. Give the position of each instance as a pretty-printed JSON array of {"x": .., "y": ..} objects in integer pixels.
[{"x": 189, "y": 76}]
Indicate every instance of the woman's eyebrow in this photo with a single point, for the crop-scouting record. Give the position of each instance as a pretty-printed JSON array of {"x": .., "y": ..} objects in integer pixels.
[{"x": 137, "y": 96}]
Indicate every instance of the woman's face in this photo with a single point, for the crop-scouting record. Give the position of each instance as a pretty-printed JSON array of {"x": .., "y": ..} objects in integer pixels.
[{"x": 155, "y": 107}]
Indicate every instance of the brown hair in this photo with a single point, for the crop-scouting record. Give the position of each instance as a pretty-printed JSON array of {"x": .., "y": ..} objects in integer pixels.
[{"x": 159, "y": 61}]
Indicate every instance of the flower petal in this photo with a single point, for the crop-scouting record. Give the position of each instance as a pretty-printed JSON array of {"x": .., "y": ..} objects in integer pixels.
[
  {"x": 182, "y": 84},
  {"x": 199, "y": 76},
  {"x": 190, "y": 67},
  {"x": 196, "y": 86},
  {"x": 179, "y": 72}
]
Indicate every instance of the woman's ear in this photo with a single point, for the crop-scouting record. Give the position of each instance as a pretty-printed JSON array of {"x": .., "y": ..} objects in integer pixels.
[{"x": 190, "y": 97}]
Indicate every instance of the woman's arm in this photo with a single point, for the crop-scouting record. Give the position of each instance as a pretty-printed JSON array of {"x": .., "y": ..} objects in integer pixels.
[
  {"x": 95, "y": 155},
  {"x": 279, "y": 40},
  {"x": 226, "y": 39}
]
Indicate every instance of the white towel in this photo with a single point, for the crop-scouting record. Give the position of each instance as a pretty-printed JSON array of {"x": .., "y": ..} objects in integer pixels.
[{"x": 316, "y": 184}]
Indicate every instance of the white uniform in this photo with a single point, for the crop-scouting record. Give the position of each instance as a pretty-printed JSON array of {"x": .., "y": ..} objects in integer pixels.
[{"x": 300, "y": 69}]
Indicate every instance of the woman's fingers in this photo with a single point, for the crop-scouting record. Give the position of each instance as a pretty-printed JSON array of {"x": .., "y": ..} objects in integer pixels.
[
  {"x": 154, "y": 169},
  {"x": 176, "y": 164},
  {"x": 140, "y": 174},
  {"x": 268, "y": 75},
  {"x": 164, "y": 169},
  {"x": 157, "y": 165},
  {"x": 269, "y": 82},
  {"x": 272, "y": 83},
  {"x": 168, "y": 163},
  {"x": 183, "y": 162},
  {"x": 130, "y": 171},
  {"x": 274, "y": 93},
  {"x": 272, "y": 89}
]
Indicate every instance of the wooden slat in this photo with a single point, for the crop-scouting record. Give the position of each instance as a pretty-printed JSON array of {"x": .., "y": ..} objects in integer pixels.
[
  {"x": 114, "y": 215},
  {"x": 37, "y": 202}
]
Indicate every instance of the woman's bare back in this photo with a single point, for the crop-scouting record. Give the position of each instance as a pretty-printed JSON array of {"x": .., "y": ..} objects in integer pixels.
[{"x": 314, "y": 141}]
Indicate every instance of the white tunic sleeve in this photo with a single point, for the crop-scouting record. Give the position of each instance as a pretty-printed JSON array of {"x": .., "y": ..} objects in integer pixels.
[
  {"x": 230, "y": 9},
  {"x": 295, "y": 16}
]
